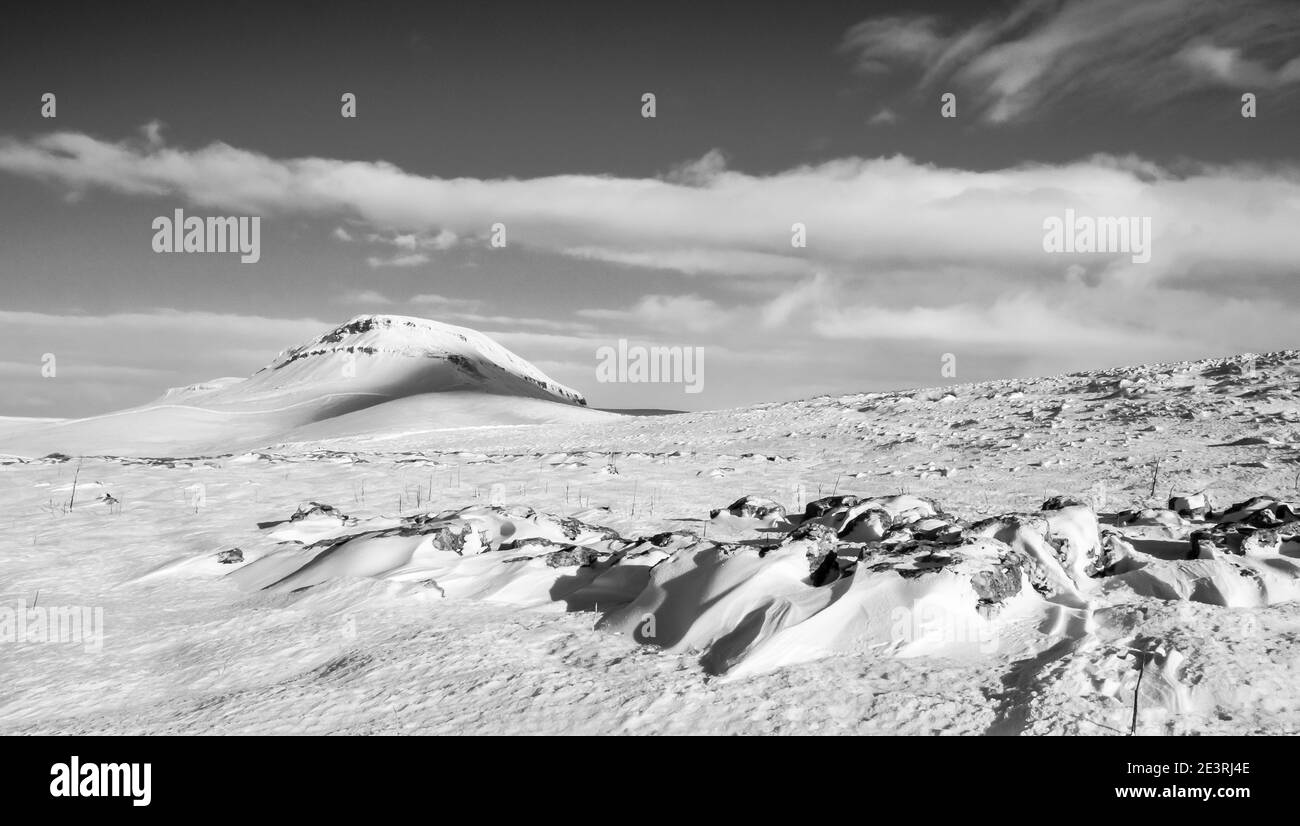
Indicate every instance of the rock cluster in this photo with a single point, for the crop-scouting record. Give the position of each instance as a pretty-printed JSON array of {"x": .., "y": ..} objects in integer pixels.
[{"x": 1260, "y": 526}]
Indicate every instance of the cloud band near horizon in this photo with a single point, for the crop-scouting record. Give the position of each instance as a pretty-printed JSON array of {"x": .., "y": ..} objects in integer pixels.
[{"x": 703, "y": 218}]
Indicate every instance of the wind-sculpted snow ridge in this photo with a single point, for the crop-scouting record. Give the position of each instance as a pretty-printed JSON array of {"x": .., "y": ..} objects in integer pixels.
[{"x": 893, "y": 575}]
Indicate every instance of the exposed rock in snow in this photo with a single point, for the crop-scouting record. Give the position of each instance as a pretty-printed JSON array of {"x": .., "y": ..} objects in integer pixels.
[
  {"x": 1260, "y": 512},
  {"x": 752, "y": 507},
  {"x": 727, "y": 601},
  {"x": 1154, "y": 517},
  {"x": 1262, "y": 526},
  {"x": 1057, "y": 503},
  {"x": 1193, "y": 506}
]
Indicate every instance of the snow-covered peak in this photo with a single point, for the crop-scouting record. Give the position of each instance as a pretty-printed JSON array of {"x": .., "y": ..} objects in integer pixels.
[{"x": 403, "y": 355}]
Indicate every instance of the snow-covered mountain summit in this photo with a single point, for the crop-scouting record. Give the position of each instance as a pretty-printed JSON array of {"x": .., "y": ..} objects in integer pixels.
[
  {"x": 391, "y": 356},
  {"x": 373, "y": 377}
]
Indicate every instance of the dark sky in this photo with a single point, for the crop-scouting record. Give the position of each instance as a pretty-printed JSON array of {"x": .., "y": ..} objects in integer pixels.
[{"x": 490, "y": 88}]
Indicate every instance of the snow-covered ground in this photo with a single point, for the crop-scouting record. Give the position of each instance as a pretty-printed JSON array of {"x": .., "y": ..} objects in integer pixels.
[{"x": 1005, "y": 561}]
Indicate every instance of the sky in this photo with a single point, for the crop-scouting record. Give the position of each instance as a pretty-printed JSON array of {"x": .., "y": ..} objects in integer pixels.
[{"x": 924, "y": 233}]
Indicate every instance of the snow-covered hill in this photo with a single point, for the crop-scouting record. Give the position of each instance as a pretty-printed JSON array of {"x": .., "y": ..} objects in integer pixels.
[
  {"x": 339, "y": 384},
  {"x": 385, "y": 357}
]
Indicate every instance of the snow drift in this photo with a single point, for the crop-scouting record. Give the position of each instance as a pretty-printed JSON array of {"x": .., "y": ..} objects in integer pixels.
[{"x": 891, "y": 575}]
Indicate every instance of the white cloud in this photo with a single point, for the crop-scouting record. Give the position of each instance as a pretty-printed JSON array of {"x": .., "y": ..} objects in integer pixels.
[
  {"x": 412, "y": 241},
  {"x": 442, "y": 302},
  {"x": 363, "y": 297},
  {"x": 699, "y": 172},
  {"x": 667, "y": 312},
  {"x": 152, "y": 132},
  {"x": 510, "y": 323},
  {"x": 885, "y": 117},
  {"x": 860, "y": 213},
  {"x": 412, "y": 260}
]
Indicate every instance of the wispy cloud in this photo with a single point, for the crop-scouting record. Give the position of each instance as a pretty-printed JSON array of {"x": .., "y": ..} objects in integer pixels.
[
  {"x": 1228, "y": 67},
  {"x": 1021, "y": 63},
  {"x": 879, "y": 44}
]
